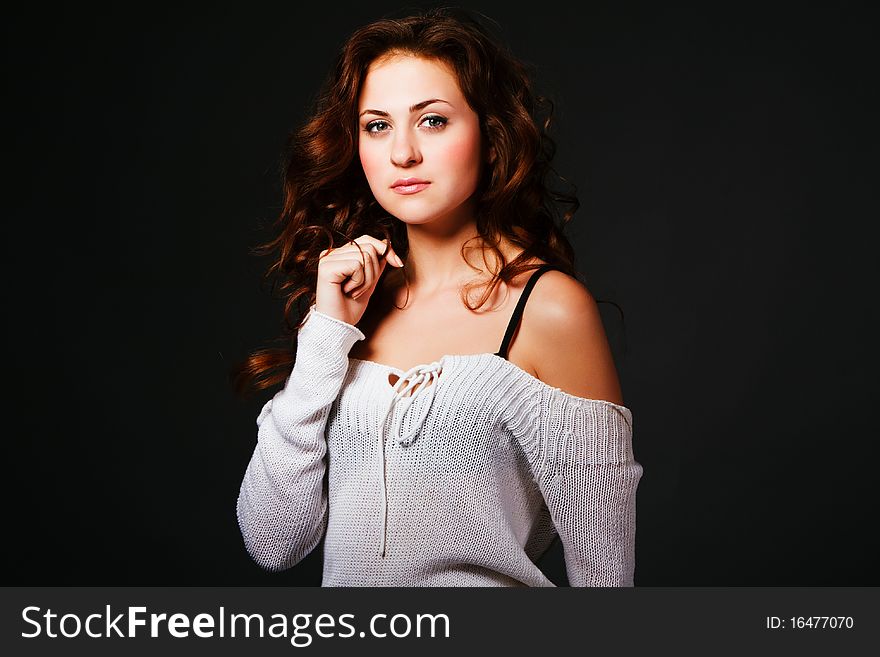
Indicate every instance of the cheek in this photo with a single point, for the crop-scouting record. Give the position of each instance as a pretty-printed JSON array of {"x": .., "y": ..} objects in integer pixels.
[
  {"x": 465, "y": 152},
  {"x": 370, "y": 160}
]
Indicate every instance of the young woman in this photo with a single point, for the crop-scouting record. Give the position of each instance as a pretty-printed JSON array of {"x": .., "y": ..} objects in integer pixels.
[{"x": 434, "y": 436}]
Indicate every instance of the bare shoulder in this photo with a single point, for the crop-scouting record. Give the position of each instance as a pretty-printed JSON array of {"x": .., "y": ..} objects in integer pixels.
[
  {"x": 558, "y": 296},
  {"x": 565, "y": 341}
]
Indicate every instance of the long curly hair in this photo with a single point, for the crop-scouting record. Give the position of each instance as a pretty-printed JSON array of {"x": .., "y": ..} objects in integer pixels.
[{"x": 327, "y": 201}]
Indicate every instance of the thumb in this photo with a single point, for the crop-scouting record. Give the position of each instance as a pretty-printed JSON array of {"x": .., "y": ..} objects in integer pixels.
[{"x": 390, "y": 256}]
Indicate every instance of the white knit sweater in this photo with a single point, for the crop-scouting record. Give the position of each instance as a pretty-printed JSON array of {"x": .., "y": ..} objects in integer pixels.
[{"x": 465, "y": 483}]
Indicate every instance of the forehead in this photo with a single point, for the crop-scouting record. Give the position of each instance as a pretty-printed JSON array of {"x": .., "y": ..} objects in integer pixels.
[{"x": 398, "y": 81}]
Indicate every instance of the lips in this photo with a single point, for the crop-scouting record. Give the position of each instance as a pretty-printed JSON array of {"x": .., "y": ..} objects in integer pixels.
[{"x": 409, "y": 185}]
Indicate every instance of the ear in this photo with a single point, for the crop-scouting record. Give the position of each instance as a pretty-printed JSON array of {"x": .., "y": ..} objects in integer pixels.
[{"x": 491, "y": 155}]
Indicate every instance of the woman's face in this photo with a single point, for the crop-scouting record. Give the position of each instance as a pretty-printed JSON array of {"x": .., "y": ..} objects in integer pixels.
[{"x": 419, "y": 141}]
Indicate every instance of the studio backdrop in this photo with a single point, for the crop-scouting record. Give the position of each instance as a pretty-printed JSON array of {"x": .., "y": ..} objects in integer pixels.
[{"x": 724, "y": 178}]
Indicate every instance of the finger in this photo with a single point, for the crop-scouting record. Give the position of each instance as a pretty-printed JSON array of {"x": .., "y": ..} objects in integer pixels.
[
  {"x": 345, "y": 271},
  {"x": 383, "y": 246},
  {"x": 356, "y": 275},
  {"x": 358, "y": 278},
  {"x": 370, "y": 268},
  {"x": 374, "y": 268},
  {"x": 366, "y": 248},
  {"x": 382, "y": 256},
  {"x": 389, "y": 255}
]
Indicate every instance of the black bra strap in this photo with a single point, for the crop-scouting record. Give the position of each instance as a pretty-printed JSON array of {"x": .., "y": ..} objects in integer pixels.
[{"x": 520, "y": 306}]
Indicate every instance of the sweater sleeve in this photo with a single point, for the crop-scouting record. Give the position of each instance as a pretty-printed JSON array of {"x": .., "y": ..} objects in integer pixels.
[
  {"x": 580, "y": 452},
  {"x": 282, "y": 504}
]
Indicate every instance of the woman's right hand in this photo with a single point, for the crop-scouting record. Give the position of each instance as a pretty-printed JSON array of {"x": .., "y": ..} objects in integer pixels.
[{"x": 347, "y": 276}]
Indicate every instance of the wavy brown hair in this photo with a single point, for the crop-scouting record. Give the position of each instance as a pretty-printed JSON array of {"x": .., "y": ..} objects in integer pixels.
[{"x": 327, "y": 201}]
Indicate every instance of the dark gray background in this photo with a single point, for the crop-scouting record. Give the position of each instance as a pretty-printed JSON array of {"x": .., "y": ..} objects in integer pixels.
[{"x": 723, "y": 158}]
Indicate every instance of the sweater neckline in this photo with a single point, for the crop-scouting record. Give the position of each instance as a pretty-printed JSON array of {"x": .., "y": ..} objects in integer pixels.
[
  {"x": 397, "y": 370},
  {"x": 533, "y": 380}
]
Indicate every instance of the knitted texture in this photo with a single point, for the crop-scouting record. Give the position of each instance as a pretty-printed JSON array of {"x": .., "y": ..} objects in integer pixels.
[{"x": 465, "y": 481}]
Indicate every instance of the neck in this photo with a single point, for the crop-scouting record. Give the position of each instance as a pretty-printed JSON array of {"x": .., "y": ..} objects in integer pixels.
[{"x": 435, "y": 261}]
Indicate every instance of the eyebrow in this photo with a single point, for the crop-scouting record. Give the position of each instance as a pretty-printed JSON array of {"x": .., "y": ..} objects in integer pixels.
[{"x": 414, "y": 108}]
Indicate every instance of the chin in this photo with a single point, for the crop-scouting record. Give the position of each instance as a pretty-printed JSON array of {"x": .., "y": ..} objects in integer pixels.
[
  {"x": 421, "y": 213},
  {"x": 414, "y": 219},
  {"x": 413, "y": 214}
]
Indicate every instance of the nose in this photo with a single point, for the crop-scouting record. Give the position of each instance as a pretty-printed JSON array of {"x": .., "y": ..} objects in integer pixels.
[{"x": 404, "y": 149}]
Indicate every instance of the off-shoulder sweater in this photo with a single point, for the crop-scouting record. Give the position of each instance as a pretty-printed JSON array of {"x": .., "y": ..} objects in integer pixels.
[{"x": 460, "y": 474}]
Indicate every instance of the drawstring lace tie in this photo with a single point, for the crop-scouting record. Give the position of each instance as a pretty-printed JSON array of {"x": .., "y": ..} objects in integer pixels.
[{"x": 421, "y": 379}]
